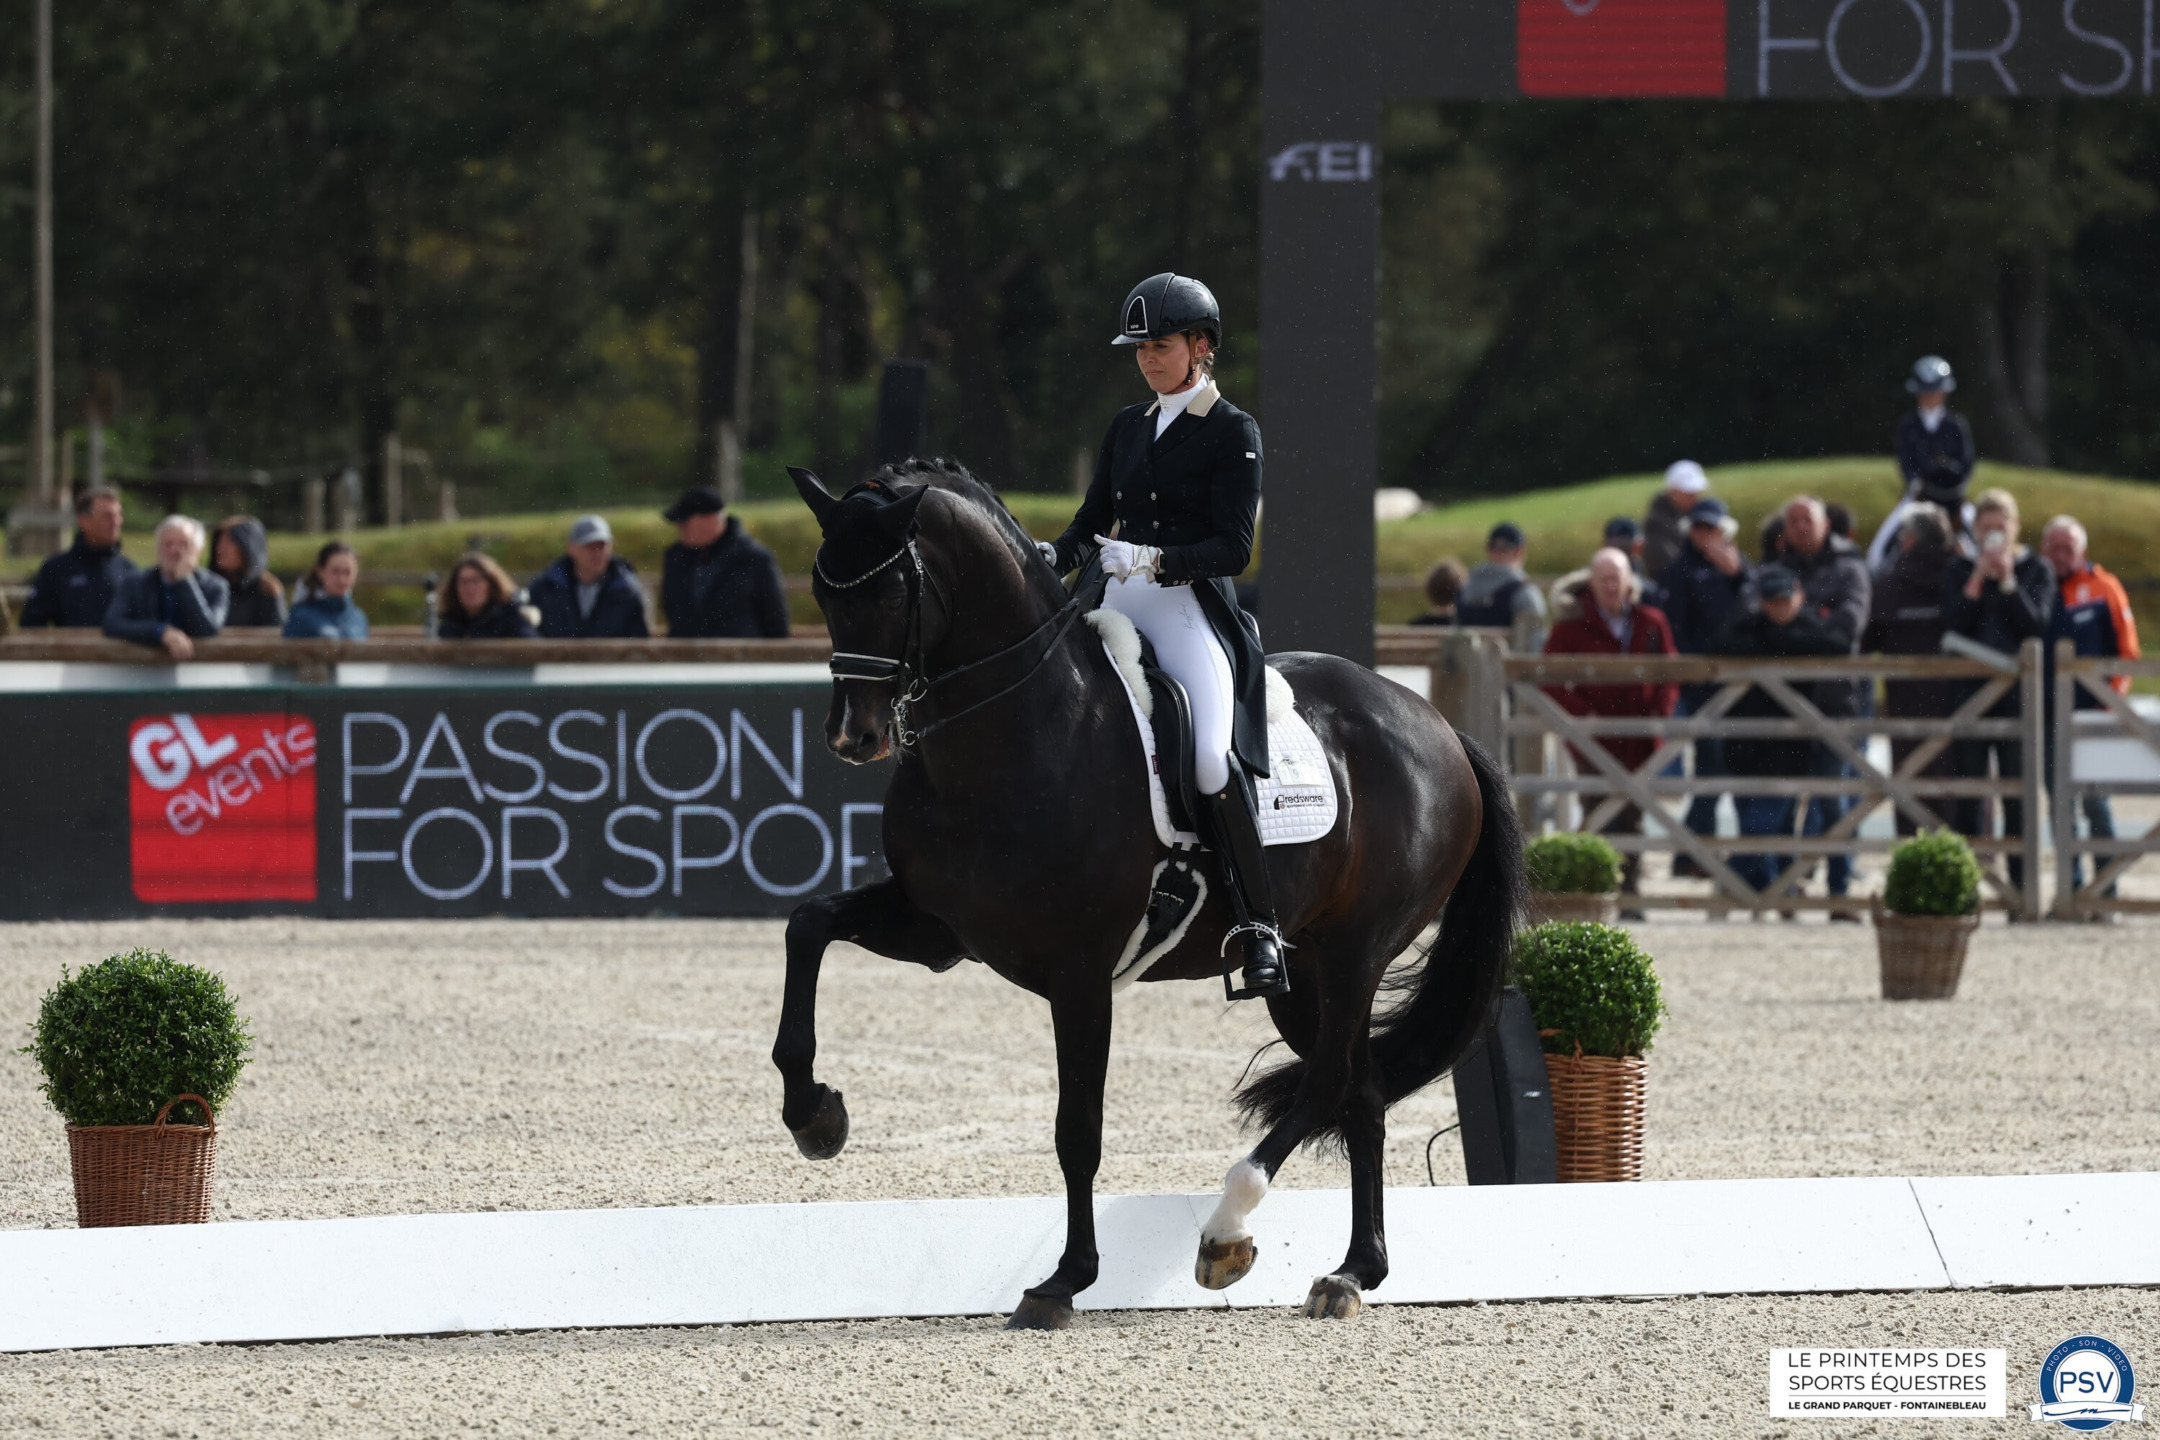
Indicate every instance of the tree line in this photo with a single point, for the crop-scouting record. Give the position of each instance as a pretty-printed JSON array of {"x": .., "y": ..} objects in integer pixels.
[{"x": 582, "y": 248}]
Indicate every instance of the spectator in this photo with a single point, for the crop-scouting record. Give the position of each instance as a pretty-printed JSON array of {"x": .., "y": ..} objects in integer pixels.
[
  {"x": 1600, "y": 612},
  {"x": 1499, "y": 594},
  {"x": 1705, "y": 590},
  {"x": 1770, "y": 538},
  {"x": 75, "y": 588},
  {"x": 1443, "y": 590},
  {"x": 1935, "y": 455},
  {"x": 1906, "y": 618},
  {"x": 484, "y": 603},
  {"x": 1665, "y": 525},
  {"x": 1834, "y": 580},
  {"x": 2092, "y": 612},
  {"x": 240, "y": 554},
  {"x": 718, "y": 582},
  {"x": 1786, "y": 625},
  {"x": 591, "y": 593},
  {"x": 175, "y": 604},
  {"x": 325, "y": 608},
  {"x": 2001, "y": 597},
  {"x": 1840, "y": 518},
  {"x": 1624, "y": 535}
]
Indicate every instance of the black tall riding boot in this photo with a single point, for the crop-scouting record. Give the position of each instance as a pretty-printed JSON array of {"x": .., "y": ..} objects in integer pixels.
[{"x": 1237, "y": 840}]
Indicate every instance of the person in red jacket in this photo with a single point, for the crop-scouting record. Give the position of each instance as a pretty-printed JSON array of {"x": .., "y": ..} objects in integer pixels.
[{"x": 1600, "y": 612}]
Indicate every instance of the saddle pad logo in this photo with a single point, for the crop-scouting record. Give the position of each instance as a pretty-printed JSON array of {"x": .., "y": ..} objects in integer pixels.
[
  {"x": 1620, "y": 47},
  {"x": 222, "y": 807}
]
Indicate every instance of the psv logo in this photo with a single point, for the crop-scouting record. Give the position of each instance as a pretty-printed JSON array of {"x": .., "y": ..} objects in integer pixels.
[
  {"x": 222, "y": 807},
  {"x": 1620, "y": 47}
]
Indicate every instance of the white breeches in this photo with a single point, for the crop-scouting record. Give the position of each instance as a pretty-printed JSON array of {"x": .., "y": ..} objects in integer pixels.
[{"x": 1186, "y": 648}]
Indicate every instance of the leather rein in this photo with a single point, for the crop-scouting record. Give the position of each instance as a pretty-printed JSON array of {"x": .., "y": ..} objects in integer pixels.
[{"x": 909, "y": 674}]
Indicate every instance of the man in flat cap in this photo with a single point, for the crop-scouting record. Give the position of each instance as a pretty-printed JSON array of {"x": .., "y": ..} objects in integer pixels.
[{"x": 717, "y": 582}]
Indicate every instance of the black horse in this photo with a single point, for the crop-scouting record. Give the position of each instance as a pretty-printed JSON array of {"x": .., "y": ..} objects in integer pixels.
[{"x": 1018, "y": 832}]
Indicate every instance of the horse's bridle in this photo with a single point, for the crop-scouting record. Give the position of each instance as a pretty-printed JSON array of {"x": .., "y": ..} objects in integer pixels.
[{"x": 909, "y": 673}]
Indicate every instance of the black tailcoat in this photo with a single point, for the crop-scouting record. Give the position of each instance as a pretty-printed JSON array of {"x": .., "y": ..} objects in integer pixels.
[{"x": 1195, "y": 494}]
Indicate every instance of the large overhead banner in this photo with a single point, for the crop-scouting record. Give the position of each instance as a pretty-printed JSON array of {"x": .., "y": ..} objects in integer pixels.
[
  {"x": 710, "y": 800},
  {"x": 1327, "y": 69}
]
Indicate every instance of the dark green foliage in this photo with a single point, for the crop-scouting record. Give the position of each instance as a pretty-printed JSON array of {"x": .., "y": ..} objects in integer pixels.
[
  {"x": 1591, "y": 985},
  {"x": 118, "y": 1039},
  {"x": 1933, "y": 874},
  {"x": 1571, "y": 864}
]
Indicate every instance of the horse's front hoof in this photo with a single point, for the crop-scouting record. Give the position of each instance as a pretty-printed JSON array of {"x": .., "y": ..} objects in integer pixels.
[
  {"x": 1041, "y": 1311},
  {"x": 1335, "y": 1297},
  {"x": 1222, "y": 1263},
  {"x": 826, "y": 1134}
]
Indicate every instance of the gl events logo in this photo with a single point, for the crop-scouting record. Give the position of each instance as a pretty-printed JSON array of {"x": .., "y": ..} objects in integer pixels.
[{"x": 222, "y": 807}]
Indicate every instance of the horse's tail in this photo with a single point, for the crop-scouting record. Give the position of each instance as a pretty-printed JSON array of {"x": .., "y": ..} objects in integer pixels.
[{"x": 1444, "y": 1006}]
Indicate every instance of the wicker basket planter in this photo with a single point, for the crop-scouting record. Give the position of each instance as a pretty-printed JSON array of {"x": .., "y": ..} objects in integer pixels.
[
  {"x": 1597, "y": 1106},
  {"x": 1594, "y": 909},
  {"x": 1922, "y": 956},
  {"x": 155, "y": 1174}
]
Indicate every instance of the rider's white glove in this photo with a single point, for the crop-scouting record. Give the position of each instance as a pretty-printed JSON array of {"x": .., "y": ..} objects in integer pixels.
[
  {"x": 1124, "y": 560},
  {"x": 1048, "y": 551}
]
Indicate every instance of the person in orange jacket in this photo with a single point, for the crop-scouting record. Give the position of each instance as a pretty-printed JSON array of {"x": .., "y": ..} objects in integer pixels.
[{"x": 2092, "y": 612}]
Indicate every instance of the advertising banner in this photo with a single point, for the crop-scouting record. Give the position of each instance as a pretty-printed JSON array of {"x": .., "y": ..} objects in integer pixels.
[{"x": 493, "y": 800}]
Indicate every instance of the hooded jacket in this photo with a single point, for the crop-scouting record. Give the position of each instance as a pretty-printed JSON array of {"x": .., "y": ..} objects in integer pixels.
[
  {"x": 146, "y": 603},
  {"x": 257, "y": 598},
  {"x": 618, "y": 611},
  {"x": 75, "y": 588}
]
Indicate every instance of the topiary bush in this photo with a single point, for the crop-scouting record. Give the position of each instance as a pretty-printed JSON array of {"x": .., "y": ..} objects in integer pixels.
[
  {"x": 120, "y": 1038},
  {"x": 1590, "y": 985},
  {"x": 1933, "y": 873},
  {"x": 1572, "y": 864}
]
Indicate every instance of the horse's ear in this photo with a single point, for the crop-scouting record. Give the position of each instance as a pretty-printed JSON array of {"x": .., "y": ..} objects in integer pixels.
[
  {"x": 899, "y": 516},
  {"x": 814, "y": 494}
]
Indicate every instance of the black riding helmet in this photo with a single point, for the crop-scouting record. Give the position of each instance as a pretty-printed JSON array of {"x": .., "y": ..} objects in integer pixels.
[{"x": 1169, "y": 304}]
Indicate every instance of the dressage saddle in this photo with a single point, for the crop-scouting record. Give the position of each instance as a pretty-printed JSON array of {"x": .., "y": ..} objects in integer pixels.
[{"x": 1174, "y": 746}]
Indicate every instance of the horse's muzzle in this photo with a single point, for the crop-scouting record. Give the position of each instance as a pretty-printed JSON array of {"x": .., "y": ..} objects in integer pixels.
[{"x": 859, "y": 729}]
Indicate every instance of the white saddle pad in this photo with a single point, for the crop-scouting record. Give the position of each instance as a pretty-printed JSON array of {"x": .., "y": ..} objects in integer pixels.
[{"x": 1297, "y": 799}]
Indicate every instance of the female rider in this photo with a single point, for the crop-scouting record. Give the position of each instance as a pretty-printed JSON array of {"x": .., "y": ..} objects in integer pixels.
[{"x": 1177, "y": 484}]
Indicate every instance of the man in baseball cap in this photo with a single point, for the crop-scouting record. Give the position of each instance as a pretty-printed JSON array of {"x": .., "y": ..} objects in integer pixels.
[
  {"x": 1499, "y": 593},
  {"x": 1665, "y": 526},
  {"x": 590, "y": 592}
]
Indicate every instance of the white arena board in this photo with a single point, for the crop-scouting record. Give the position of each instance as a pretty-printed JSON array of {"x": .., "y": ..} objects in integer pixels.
[{"x": 578, "y": 1269}]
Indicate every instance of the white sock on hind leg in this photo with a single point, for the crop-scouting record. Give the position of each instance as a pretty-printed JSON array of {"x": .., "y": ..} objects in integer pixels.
[{"x": 1243, "y": 1189}]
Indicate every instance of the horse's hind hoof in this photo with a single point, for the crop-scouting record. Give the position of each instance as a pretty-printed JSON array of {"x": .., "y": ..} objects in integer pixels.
[
  {"x": 1040, "y": 1311},
  {"x": 1222, "y": 1263},
  {"x": 826, "y": 1134},
  {"x": 1335, "y": 1297}
]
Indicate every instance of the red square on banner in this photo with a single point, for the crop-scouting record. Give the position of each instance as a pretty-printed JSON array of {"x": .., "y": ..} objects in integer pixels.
[
  {"x": 1640, "y": 48},
  {"x": 222, "y": 807}
]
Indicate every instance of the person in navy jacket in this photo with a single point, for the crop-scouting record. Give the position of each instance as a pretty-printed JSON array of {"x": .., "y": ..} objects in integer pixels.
[
  {"x": 74, "y": 589},
  {"x": 175, "y": 604},
  {"x": 590, "y": 593}
]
